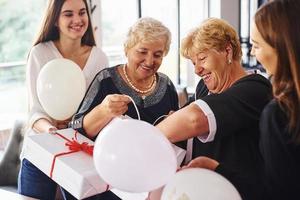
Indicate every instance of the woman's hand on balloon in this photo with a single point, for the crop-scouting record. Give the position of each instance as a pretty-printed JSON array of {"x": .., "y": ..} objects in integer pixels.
[
  {"x": 203, "y": 162},
  {"x": 115, "y": 104}
]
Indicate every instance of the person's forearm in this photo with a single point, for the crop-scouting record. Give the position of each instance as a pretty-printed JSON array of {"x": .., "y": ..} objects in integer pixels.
[
  {"x": 186, "y": 123},
  {"x": 113, "y": 105},
  {"x": 42, "y": 126},
  {"x": 95, "y": 120}
]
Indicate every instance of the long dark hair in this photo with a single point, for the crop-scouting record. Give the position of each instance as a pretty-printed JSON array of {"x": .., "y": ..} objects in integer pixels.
[
  {"x": 276, "y": 23},
  {"x": 50, "y": 32}
]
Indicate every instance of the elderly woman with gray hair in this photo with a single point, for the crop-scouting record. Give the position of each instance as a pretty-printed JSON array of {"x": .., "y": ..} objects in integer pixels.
[{"x": 148, "y": 41}]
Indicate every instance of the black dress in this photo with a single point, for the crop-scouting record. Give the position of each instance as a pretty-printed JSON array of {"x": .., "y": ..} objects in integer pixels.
[
  {"x": 281, "y": 157},
  {"x": 235, "y": 146}
]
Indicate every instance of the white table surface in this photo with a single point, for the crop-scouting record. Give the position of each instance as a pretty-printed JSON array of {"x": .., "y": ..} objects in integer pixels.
[
  {"x": 7, "y": 195},
  {"x": 130, "y": 196}
]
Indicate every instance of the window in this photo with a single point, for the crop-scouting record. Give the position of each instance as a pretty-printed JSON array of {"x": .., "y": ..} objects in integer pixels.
[
  {"x": 117, "y": 16},
  {"x": 18, "y": 23},
  {"x": 178, "y": 16},
  {"x": 192, "y": 13},
  {"x": 166, "y": 12},
  {"x": 247, "y": 12}
]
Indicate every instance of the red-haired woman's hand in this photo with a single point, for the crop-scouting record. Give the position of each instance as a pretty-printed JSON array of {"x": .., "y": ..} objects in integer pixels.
[{"x": 203, "y": 162}]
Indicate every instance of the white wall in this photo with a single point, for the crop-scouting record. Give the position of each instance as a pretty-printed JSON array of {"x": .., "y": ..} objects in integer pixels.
[{"x": 230, "y": 12}]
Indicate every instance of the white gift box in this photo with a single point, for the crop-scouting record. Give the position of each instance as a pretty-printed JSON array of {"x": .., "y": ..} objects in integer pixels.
[
  {"x": 75, "y": 172},
  {"x": 180, "y": 154}
]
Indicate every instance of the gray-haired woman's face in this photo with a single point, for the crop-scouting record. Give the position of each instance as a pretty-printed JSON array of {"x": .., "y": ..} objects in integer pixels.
[{"x": 145, "y": 58}]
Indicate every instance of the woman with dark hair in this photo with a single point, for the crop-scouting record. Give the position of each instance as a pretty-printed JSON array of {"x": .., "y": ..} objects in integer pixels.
[
  {"x": 275, "y": 37},
  {"x": 66, "y": 32}
]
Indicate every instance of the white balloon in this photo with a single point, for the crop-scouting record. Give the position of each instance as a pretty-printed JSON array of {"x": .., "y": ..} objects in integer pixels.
[
  {"x": 60, "y": 88},
  {"x": 134, "y": 156},
  {"x": 197, "y": 184}
]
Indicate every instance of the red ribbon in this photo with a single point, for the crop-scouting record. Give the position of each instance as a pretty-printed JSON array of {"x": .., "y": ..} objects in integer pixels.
[
  {"x": 74, "y": 146},
  {"x": 84, "y": 146}
]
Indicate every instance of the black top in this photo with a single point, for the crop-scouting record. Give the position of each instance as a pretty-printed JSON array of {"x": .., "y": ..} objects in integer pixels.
[
  {"x": 108, "y": 81},
  {"x": 201, "y": 91},
  {"x": 281, "y": 157},
  {"x": 237, "y": 111}
]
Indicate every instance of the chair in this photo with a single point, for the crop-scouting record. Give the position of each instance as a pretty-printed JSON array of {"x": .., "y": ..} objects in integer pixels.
[{"x": 10, "y": 163}]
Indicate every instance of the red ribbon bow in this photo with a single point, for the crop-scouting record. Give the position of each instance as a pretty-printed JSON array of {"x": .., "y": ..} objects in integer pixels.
[
  {"x": 74, "y": 146},
  {"x": 84, "y": 146}
]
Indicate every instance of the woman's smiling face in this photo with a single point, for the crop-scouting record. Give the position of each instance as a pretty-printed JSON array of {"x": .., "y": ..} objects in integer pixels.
[
  {"x": 73, "y": 19},
  {"x": 145, "y": 58},
  {"x": 211, "y": 66},
  {"x": 263, "y": 52}
]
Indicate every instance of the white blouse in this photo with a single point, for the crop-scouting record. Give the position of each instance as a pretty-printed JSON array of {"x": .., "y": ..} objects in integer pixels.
[{"x": 38, "y": 57}]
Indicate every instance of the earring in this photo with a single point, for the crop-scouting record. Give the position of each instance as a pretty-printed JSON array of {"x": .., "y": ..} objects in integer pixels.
[{"x": 229, "y": 61}]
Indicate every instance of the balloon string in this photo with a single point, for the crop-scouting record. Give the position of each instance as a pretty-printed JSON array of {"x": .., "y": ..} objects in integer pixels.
[
  {"x": 136, "y": 109},
  {"x": 138, "y": 113},
  {"x": 163, "y": 116},
  {"x": 189, "y": 146},
  {"x": 74, "y": 146}
]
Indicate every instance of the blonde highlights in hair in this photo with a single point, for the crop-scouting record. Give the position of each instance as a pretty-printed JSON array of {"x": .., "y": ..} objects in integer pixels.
[
  {"x": 213, "y": 33},
  {"x": 147, "y": 30}
]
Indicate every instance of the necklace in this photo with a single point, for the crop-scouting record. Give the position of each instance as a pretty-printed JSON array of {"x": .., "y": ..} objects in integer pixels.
[{"x": 152, "y": 85}]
